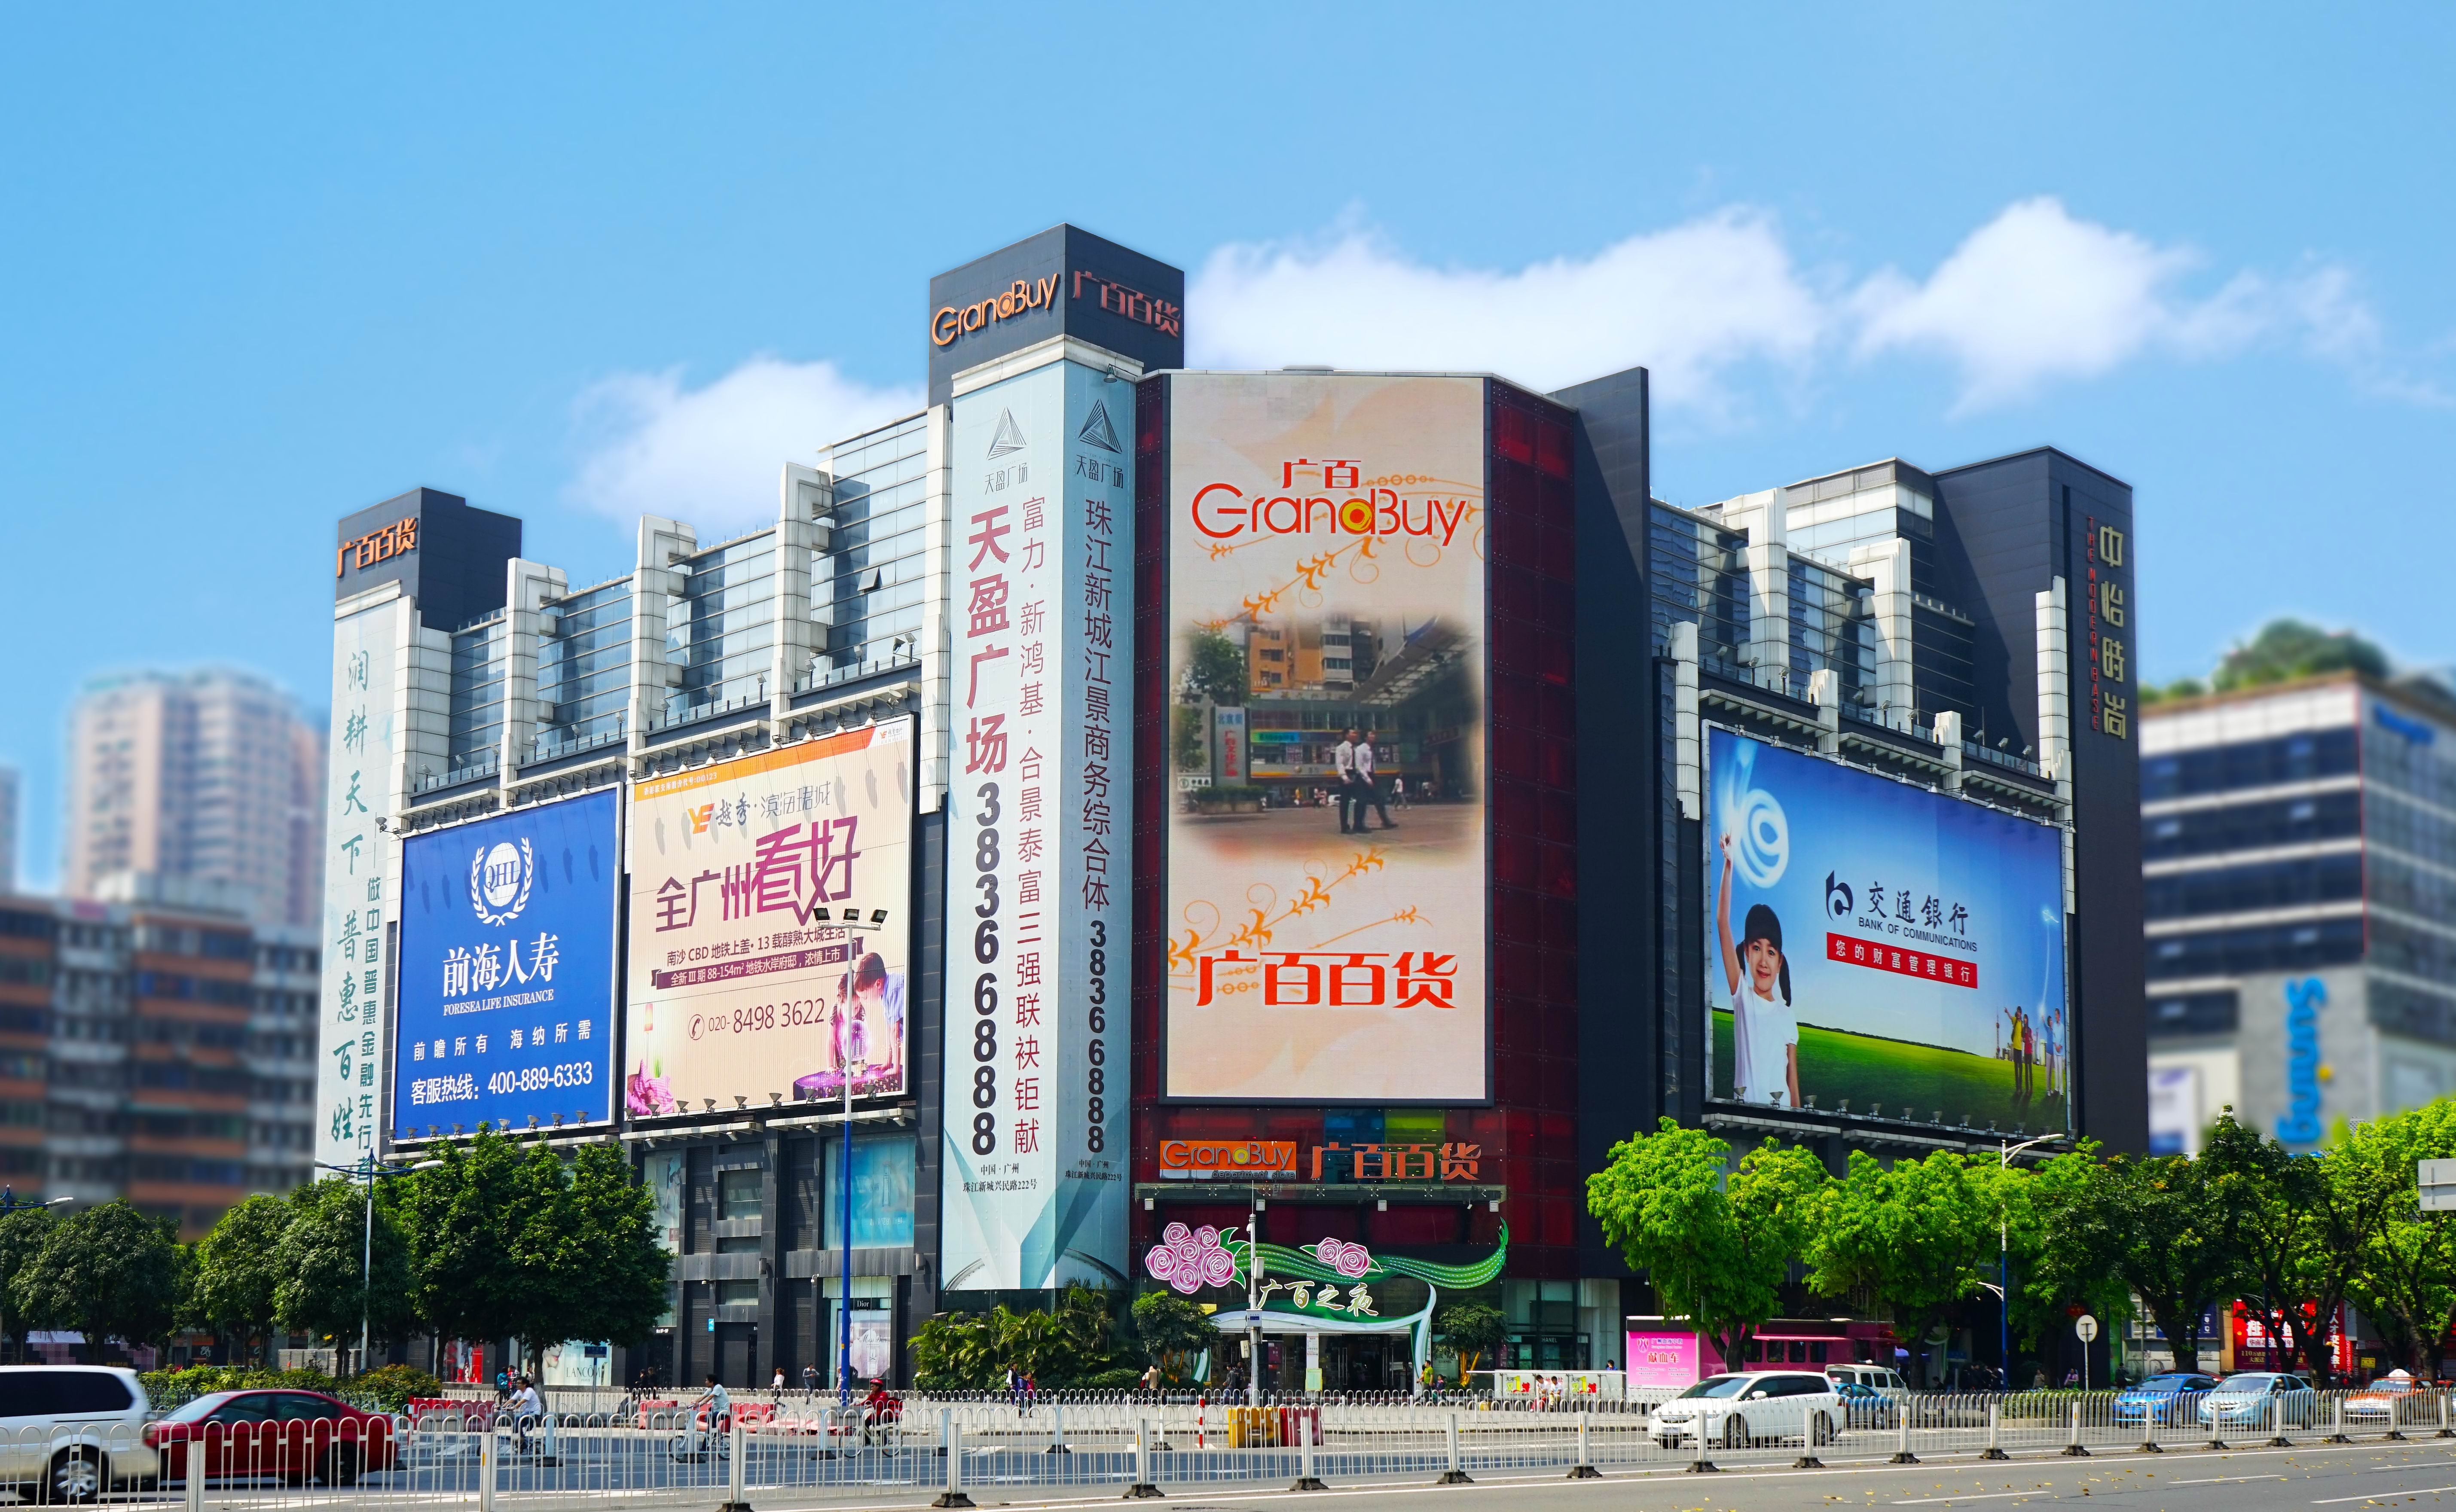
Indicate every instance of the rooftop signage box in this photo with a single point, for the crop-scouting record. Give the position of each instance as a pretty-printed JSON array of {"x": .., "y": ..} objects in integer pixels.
[
  {"x": 446, "y": 555},
  {"x": 1064, "y": 281}
]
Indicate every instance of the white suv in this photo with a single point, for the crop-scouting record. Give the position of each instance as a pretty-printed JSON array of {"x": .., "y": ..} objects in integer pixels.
[
  {"x": 1877, "y": 1378},
  {"x": 1751, "y": 1408},
  {"x": 69, "y": 1433}
]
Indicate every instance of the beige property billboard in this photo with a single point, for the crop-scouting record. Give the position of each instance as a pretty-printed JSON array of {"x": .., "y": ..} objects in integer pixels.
[
  {"x": 1327, "y": 906},
  {"x": 769, "y": 935}
]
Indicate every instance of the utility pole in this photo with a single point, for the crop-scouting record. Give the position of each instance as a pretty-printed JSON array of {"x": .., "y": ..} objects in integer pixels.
[
  {"x": 1253, "y": 1304},
  {"x": 2004, "y": 1265},
  {"x": 844, "y": 1310}
]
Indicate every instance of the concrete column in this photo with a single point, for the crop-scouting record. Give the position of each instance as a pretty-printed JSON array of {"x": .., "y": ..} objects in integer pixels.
[
  {"x": 2055, "y": 680},
  {"x": 1687, "y": 753},
  {"x": 806, "y": 498},
  {"x": 1887, "y": 564},
  {"x": 1769, "y": 612},
  {"x": 654, "y": 583},
  {"x": 1825, "y": 691},
  {"x": 1948, "y": 734}
]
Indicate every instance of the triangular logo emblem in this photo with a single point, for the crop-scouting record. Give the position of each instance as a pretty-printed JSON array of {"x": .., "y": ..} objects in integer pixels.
[
  {"x": 1009, "y": 436},
  {"x": 1097, "y": 430}
]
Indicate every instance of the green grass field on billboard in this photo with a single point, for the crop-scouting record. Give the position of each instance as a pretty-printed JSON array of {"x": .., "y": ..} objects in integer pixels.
[{"x": 1895, "y": 1079}]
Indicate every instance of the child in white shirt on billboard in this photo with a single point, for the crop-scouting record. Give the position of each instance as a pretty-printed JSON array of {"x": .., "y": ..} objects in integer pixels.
[{"x": 1765, "y": 1033}]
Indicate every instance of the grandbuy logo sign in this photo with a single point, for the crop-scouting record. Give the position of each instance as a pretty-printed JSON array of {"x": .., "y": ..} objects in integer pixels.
[{"x": 949, "y": 323}]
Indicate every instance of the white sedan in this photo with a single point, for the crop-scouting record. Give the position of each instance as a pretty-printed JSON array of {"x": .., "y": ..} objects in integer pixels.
[{"x": 1749, "y": 1407}]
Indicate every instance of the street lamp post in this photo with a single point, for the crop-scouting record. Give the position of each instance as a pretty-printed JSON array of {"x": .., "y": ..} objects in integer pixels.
[
  {"x": 2004, "y": 1265},
  {"x": 365, "y": 1166},
  {"x": 843, "y": 1303}
]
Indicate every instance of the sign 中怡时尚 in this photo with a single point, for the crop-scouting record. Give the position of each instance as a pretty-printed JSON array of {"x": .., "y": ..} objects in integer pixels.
[{"x": 506, "y": 1001}]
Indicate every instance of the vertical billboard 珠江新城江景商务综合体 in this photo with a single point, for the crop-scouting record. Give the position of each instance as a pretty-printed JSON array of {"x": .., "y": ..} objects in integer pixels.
[
  {"x": 771, "y": 931},
  {"x": 506, "y": 993},
  {"x": 1870, "y": 943},
  {"x": 1033, "y": 1173},
  {"x": 1326, "y": 913}
]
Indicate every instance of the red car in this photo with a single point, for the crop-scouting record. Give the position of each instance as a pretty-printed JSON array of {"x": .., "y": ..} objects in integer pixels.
[{"x": 293, "y": 1436}]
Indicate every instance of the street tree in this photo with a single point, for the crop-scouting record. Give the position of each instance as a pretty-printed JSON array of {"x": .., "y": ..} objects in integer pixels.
[
  {"x": 1472, "y": 1331},
  {"x": 237, "y": 1270},
  {"x": 610, "y": 1272},
  {"x": 2407, "y": 1278},
  {"x": 1214, "y": 668},
  {"x": 1919, "y": 1237},
  {"x": 22, "y": 1233},
  {"x": 1172, "y": 1329},
  {"x": 109, "y": 1272},
  {"x": 2301, "y": 1228},
  {"x": 1716, "y": 1242},
  {"x": 462, "y": 1216},
  {"x": 320, "y": 1260},
  {"x": 2143, "y": 1226}
]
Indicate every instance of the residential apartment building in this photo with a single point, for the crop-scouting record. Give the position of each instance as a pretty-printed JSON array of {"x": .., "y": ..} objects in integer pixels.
[
  {"x": 2298, "y": 857},
  {"x": 207, "y": 782},
  {"x": 161, "y": 1055}
]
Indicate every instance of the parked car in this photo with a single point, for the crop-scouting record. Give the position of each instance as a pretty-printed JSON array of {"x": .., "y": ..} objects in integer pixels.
[
  {"x": 2257, "y": 1398},
  {"x": 2392, "y": 1398},
  {"x": 2167, "y": 1401},
  {"x": 1881, "y": 1378},
  {"x": 291, "y": 1436},
  {"x": 1751, "y": 1408},
  {"x": 69, "y": 1433},
  {"x": 1867, "y": 1407}
]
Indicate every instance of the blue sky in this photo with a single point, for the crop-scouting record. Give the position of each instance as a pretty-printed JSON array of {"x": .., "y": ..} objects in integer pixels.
[{"x": 265, "y": 266}]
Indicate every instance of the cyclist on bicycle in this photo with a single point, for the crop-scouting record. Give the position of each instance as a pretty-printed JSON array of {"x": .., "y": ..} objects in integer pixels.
[{"x": 718, "y": 1406}]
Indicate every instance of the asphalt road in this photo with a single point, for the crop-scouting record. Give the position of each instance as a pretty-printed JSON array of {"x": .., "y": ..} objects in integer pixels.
[{"x": 2306, "y": 1478}]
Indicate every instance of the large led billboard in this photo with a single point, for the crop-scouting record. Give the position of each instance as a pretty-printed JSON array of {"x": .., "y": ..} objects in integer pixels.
[
  {"x": 770, "y": 939},
  {"x": 1879, "y": 948},
  {"x": 1326, "y": 904},
  {"x": 506, "y": 971}
]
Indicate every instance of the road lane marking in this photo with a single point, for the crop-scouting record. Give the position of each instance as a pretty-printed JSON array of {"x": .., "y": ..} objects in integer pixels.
[
  {"x": 2220, "y": 1480},
  {"x": 1975, "y": 1496},
  {"x": 2386, "y": 1496}
]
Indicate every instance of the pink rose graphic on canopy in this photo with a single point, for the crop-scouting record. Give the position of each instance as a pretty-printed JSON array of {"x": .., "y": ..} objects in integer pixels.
[
  {"x": 1189, "y": 1259},
  {"x": 1347, "y": 1260}
]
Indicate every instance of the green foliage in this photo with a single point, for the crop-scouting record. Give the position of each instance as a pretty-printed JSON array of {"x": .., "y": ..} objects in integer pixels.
[
  {"x": 236, "y": 1271},
  {"x": 392, "y": 1386},
  {"x": 321, "y": 1261},
  {"x": 1170, "y": 1328},
  {"x": 1717, "y": 1250},
  {"x": 2142, "y": 1226},
  {"x": 109, "y": 1272},
  {"x": 513, "y": 1242},
  {"x": 1919, "y": 1237},
  {"x": 22, "y": 1233},
  {"x": 2301, "y": 1228},
  {"x": 974, "y": 1351},
  {"x": 1185, "y": 737},
  {"x": 1118, "y": 1378},
  {"x": 1214, "y": 668},
  {"x": 2407, "y": 1278},
  {"x": 1471, "y": 1330},
  {"x": 2290, "y": 648}
]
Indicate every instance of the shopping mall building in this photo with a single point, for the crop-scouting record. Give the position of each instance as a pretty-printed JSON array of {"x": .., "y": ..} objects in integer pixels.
[{"x": 1132, "y": 801}]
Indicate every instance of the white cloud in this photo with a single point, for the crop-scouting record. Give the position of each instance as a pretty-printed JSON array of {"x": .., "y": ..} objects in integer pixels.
[
  {"x": 710, "y": 455},
  {"x": 2036, "y": 295},
  {"x": 1692, "y": 303}
]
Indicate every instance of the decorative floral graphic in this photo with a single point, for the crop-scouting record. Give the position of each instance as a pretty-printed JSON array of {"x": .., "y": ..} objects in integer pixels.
[
  {"x": 1190, "y": 1260},
  {"x": 647, "y": 1094},
  {"x": 1347, "y": 1260}
]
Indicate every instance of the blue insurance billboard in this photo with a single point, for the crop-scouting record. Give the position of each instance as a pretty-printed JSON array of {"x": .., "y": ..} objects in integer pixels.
[
  {"x": 1878, "y": 946},
  {"x": 506, "y": 971}
]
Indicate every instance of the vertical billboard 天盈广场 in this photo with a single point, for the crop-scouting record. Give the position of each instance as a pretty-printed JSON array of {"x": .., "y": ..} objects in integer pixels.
[
  {"x": 770, "y": 936},
  {"x": 1327, "y": 904},
  {"x": 1872, "y": 945},
  {"x": 506, "y": 968}
]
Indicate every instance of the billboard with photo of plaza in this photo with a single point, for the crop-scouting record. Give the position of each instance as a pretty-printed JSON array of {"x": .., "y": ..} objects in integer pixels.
[{"x": 1876, "y": 947}]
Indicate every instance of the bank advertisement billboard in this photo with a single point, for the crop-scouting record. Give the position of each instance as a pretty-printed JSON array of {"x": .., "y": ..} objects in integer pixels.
[
  {"x": 1874, "y": 945},
  {"x": 770, "y": 940},
  {"x": 506, "y": 989},
  {"x": 1033, "y": 1172},
  {"x": 1327, "y": 906}
]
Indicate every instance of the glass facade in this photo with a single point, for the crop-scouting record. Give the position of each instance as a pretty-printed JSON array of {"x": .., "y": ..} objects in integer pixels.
[
  {"x": 584, "y": 670},
  {"x": 478, "y": 652},
  {"x": 1699, "y": 574},
  {"x": 722, "y": 631},
  {"x": 867, "y": 590}
]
